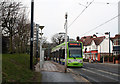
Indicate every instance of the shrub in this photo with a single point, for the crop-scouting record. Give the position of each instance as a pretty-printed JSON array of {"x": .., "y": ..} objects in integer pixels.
[
  {"x": 111, "y": 58},
  {"x": 117, "y": 57},
  {"x": 101, "y": 59},
  {"x": 106, "y": 58}
]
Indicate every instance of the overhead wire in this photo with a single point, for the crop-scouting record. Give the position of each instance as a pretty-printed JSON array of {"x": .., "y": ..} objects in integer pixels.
[
  {"x": 80, "y": 13},
  {"x": 101, "y": 24}
]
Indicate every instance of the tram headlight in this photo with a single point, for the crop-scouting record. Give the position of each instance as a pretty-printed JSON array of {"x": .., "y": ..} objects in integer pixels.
[
  {"x": 80, "y": 61},
  {"x": 69, "y": 61}
]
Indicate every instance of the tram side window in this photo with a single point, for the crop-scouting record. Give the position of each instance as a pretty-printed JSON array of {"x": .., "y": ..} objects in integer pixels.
[
  {"x": 63, "y": 53},
  {"x": 57, "y": 54},
  {"x": 60, "y": 53},
  {"x": 53, "y": 55}
]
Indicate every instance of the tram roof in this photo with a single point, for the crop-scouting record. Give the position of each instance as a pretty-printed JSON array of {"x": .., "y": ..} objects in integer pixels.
[{"x": 62, "y": 46}]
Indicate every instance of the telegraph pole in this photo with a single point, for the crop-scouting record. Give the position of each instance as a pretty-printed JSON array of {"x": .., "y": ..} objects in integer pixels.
[
  {"x": 66, "y": 42},
  {"x": 31, "y": 36}
]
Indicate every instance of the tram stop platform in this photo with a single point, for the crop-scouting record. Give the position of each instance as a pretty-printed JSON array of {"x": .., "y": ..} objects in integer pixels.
[{"x": 53, "y": 72}]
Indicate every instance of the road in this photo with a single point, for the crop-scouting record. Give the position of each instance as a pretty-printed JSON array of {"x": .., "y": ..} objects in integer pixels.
[{"x": 102, "y": 73}]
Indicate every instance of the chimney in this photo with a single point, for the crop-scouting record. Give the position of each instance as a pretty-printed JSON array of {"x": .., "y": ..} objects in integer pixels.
[
  {"x": 78, "y": 38},
  {"x": 84, "y": 38},
  {"x": 106, "y": 34},
  {"x": 94, "y": 36}
]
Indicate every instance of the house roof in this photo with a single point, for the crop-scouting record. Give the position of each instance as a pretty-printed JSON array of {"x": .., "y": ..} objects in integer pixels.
[
  {"x": 117, "y": 36},
  {"x": 98, "y": 40},
  {"x": 87, "y": 40}
]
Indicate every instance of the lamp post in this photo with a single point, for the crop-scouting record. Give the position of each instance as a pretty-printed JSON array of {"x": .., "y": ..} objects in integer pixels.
[
  {"x": 31, "y": 35},
  {"x": 66, "y": 42},
  {"x": 41, "y": 27}
]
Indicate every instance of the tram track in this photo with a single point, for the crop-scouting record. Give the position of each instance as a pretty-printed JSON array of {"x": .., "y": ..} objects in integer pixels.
[
  {"x": 102, "y": 74},
  {"x": 94, "y": 74}
]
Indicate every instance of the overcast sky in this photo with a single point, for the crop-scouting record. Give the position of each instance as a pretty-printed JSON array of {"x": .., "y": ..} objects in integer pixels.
[{"x": 50, "y": 13}]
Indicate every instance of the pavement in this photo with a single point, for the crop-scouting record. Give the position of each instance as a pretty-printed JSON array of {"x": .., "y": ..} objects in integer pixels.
[{"x": 53, "y": 72}]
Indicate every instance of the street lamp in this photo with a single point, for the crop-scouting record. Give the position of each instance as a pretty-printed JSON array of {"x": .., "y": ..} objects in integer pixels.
[
  {"x": 41, "y": 27},
  {"x": 66, "y": 42}
]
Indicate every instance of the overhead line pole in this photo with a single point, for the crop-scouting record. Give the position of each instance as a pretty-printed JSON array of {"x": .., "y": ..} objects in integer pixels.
[
  {"x": 31, "y": 36},
  {"x": 65, "y": 44}
]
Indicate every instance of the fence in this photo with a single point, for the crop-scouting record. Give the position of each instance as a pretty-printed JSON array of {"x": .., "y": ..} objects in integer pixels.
[{"x": 111, "y": 59}]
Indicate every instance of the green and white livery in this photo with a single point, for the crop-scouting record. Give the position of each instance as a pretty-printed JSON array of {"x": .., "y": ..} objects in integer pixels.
[{"x": 74, "y": 54}]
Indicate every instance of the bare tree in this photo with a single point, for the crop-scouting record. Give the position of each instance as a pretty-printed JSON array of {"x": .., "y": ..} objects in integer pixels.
[
  {"x": 23, "y": 30},
  {"x": 21, "y": 39},
  {"x": 58, "y": 38},
  {"x": 14, "y": 23},
  {"x": 9, "y": 18}
]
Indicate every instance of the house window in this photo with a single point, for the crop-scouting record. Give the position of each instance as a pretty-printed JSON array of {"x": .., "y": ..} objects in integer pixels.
[
  {"x": 115, "y": 42},
  {"x": 93, "y": 47},
  {"x": 119, "y": 42}
]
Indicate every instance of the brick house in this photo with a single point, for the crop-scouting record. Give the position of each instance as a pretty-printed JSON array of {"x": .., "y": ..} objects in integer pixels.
[{"x": 95, "y": 47}]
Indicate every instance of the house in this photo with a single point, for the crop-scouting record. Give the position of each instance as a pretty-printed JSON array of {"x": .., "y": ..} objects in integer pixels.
[
  {"x": 116, "y": 44},
  {"x": 96, "y": 47}
]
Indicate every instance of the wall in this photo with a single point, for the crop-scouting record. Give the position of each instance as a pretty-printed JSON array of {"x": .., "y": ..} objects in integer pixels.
[
  {"x": 93, "y": 46},
  {"x": 104, "y": 46}
]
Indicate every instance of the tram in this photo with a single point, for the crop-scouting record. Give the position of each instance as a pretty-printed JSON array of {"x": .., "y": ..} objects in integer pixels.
[{"x": 74, "y": 54}]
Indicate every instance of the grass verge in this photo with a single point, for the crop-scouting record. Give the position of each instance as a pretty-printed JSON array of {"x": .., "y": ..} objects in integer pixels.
[{"x": 15, "y": 68}]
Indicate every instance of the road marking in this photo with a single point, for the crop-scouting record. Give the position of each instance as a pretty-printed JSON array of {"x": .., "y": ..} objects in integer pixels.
[
  {"x": 99, "y": 74},
  {"x": 89, "y": 78},
  {"x": 104, "y": 71}
]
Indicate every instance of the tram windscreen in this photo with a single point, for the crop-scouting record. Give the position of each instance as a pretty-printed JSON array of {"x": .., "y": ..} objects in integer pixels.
[{"x": 75, "y": 53}]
